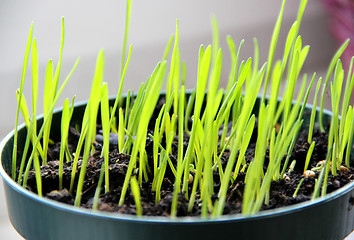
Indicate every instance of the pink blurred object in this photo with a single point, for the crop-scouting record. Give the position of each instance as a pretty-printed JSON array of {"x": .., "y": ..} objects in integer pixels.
[{"x": 342, "y": 24}]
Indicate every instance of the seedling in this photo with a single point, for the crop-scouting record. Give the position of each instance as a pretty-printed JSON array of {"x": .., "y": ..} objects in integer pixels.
[{"x": 219, "y": 125}]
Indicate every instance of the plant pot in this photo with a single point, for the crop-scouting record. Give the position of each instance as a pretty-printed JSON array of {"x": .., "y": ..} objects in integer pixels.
[{"x": 329, "y": 217}]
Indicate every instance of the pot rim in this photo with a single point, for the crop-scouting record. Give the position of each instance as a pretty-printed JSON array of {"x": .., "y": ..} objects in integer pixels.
[{"x": 167, "y": 220}]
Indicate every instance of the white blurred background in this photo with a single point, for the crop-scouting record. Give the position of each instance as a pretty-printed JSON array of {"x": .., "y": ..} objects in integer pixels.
[{"x": 92, "y": 25}]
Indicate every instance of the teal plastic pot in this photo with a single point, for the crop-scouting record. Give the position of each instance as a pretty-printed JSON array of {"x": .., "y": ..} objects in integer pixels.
[{"x": 36, "y": 218}]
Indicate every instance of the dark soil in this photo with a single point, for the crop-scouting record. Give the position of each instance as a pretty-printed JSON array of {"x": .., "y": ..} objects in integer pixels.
[{"x": 281, "y": 193}]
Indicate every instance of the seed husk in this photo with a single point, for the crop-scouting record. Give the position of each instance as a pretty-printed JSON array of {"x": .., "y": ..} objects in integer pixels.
[{"x": 309, "y": 173}]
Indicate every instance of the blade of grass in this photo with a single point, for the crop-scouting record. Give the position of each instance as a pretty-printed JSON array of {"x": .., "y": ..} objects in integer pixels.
[
  {"x": 331, "y": 66},
  {"x": 92, "y": 106},
  {"x": 24, "y": 69},
  {"x": 308, "y": 156},
  {"x": 65, "y": 122},
  {"x": 115, "y": 105},
  {"x": 313, "y": 112},
  {"x": 47, "y": 99},
  {"x": 105, "y": 129},
  {"x": 134, "y": 186},
  {"x": 178, "y": 179},
  {"x": 126, "y": 31},
  {"x": 272, "y": 47}
]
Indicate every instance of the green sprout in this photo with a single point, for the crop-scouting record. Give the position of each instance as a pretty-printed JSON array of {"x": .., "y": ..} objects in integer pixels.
[
  {"x": 50, "y": 90},
  {"x": 91, "y": 118},
  {"x": 65, "y": 123},
  {"x": 20, "y": 91},
  {"x": 134, "y": 185},
  {"x": 105, "y": 129},
  {"x": 313, "y": 112},
  {"x": 332, "y": 64},
  {"x": 272, "y": 47},
  {"x": 127, "y": 23}
]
